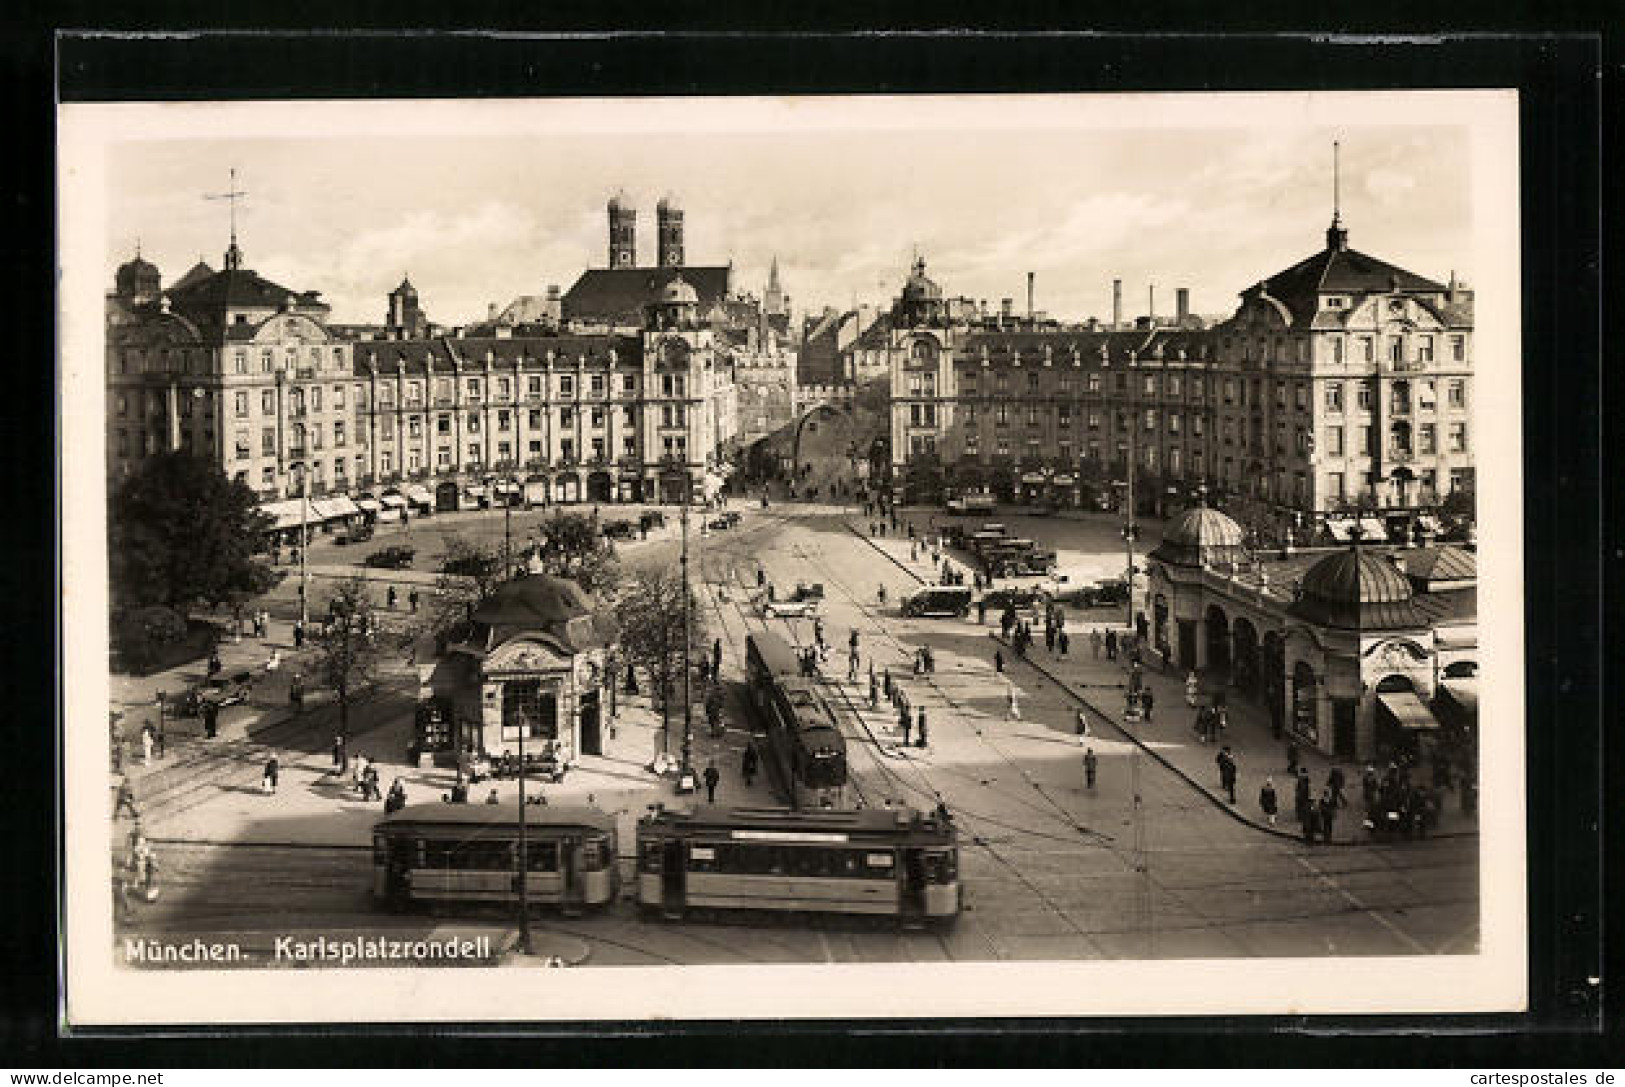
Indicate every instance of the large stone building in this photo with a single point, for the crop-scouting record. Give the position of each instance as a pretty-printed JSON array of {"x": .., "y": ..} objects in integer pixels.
[
  {"x": 243, "y": 371},
  {"x": 1340, "y": 382}
]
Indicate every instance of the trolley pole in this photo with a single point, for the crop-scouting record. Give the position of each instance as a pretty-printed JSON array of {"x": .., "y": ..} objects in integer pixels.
[
  {"x": 524, "y": 854},
  {"x": 688, "y": 638}
]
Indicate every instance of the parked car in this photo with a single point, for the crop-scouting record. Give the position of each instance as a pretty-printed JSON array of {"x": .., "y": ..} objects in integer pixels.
[
  {"x": 1104, "y": 593},
  {"x": 395, "y": 557},
  {"x": 792, "y": 608},
  {"x": 620, "y": 530},
  {"x": 651, "y": 519},
  {"x": 720, "y": 522},
  {"x": 998, "y": 600},
  {"x": 938, "y": 601},
  {"x": 222, "y": 690},
  {"x": 353, "y": 534},
  {"x": 733, "y": 517}
]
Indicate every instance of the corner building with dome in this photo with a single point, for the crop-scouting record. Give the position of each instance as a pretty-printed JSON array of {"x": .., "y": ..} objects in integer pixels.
[{"x": 1363, "y": 652}]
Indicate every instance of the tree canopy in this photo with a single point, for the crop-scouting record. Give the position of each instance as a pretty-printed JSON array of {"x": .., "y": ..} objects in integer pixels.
[
  {"x": 574, "y": 547},
  {"x": 347, "y": 646},
  {"x": 648, "y": 608},
  {"x": 180, "y": 533}
]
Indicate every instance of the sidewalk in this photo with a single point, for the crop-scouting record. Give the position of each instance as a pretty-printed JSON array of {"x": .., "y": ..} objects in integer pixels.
[{"x": 1101, "y": 686}]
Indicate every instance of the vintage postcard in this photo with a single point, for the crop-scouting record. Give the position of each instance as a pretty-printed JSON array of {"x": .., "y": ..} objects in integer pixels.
[{"x": 565, "y": 560}]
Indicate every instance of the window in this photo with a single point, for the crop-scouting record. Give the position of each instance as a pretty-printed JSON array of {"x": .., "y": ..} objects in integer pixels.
[
  {"x": 567, "y": 385},
  {"x": 1334, "y": 441},
  {"x": 1032, "y": 416},
  {"x": 1093, "y": 384},
  {"x": 473, "y": 453},
  {"x": 1150, "y": 419},
  {"x": 1456, "y": 393},
  {"x": 970, "y": 414},
  {"x": 1300, "y": 397},
  {"x": 504, "y": 420},
  {"x": 533, "y": 385},
  {"x": 316, "y": 436},
  {"x": 338, "y": 396},
  {"x": 597, "y": 384},
  {"x": 1002, "y": 447},
  {"x": 1368, "y": 349},
  {"x": 1363, "y": 396},
  {"x": 316, "y": 398},
  {"x": 241, "y": 443},
  {"x": 1001, "y": 415},
  {"x": 1280, "y": 395},
  {"x": 629, "y": 446},
  {"x": 386, "y": 428},
  {"x": 414, "y": 426},
  {"x": 1094, "y": 420},
  {"x": 338, "y": 434},
  {"x": 1458, "y": 348},
  {"x": 629, "y": 384},
  {"x": 268, "y": 441},
  {"x": 1399, "y": 398},
  {"x": 1173, "y": 384},
  {"x": 1396, "y": 349},
  {"x": 442, "y": 424},
  {"x": 1399, "y": 438},
  {"x": 267, "y": 361},
  {"x": 1149, "y": 386},
  {"x": 298, "y": 438},
  {"x": 1032, "y": 383},
  {"x": 1367, "y": 440},
  {"x": 1001, "y": 383},
  {"x": 1424, "y": 349},
  {"x": 1196, "y": 426},
  {"x": 1064, "y": 415},
  {"x": 1334, "y": 396},
  {"x": 1428, "y": 438},
  {"x": 505, "y": 388},
  {"x": 1458, "y": 437},
  {"x": 1337, "y": 350},
  {"x": 567, "y": 448},
  {"x": 598, "y": 449},
  {"x": 239, "y": 361},
  {"x": 240, "y": 404},
  {"x": 1173, "y": 422}
]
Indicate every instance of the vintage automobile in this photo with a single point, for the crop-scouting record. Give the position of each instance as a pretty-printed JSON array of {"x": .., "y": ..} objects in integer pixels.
[
  {"x": 394, "y": 557},
  {"x": 353, "y": 534},
  {"x": 803, "y": 602},
  {"x": 222, "y": 690},
  {"x": 651, "y": 519},
  {"x": 620, "y": 530}
]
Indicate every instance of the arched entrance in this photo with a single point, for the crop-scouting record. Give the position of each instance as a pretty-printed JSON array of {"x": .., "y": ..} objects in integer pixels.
[
  {"x": 567, "y": 488},
  {"x": 1272, "y": 666},
  {"x": 1394, "y": 742},
  {"x": 600, "y": 488},
  {"x": 1305, "y": 724},
  {"x": 1245, "y": 647},
  {"x": 673, "y": 488},
  {"x": 1218, "y": 643},
  {"x": 1003, "y": 482}
]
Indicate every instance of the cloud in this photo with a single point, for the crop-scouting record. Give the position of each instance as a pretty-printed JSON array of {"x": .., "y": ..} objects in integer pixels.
[{"x": 1389, "y": 186}]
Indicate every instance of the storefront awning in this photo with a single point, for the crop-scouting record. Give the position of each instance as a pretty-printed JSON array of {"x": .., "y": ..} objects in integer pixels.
[
  {"x": 1340, "y": 530},
  {"x": 419, "y": 493},
  {"x": 1463, "y": 692},
  {"x": 474, "y": 490},
  {"x": 1429, "y": 522},
  {"x": 333, "y": 509},
  {"x": 393, "y": 502},
  {"x": 1063, "y": 481},
  {"x": 506, "y": 488},
  {"x": 1033, "y": 477},
  {"x": 1409, "y": 710},
  {"x": 368, "y": 505},
  {"x": 1373, "y": 530},
  {"x": 287, "y": 514}
]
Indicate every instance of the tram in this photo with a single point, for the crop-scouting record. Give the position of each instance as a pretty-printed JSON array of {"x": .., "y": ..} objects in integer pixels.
[
  {"x": 876, "y": 861},
  {"x": 803, "y": 738},
  {"x": 468, "y": 853}
]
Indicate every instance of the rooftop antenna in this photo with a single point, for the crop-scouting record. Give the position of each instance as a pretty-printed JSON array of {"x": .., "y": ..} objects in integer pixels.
[
  {"x": 1337, "y": 190},
  {"x": 232, "y": 194}
]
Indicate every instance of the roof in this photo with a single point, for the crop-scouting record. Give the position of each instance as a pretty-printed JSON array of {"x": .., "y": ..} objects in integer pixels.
[
  {"x": 438, "y": 353},
  {"x": 1145, "y": 344},
  {"x": 195, "y": 274},
  {"x": 1201, "y": 536},
  {"x": 783, "y": 820},
  {"x": 1442, "y": 564},
  {"x": 235, "y": 287},
  {"x": 1358, "y": 589},
  {"x": 618, "y": 295},
  {"x": 503, "y": 815},
  {"x": 1333, "y": 270},
  {"x": 541, "y": 603}
]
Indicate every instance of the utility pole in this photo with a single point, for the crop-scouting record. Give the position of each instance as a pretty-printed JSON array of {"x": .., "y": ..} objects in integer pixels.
[
  {"x": 1130, "y": 529},
  {"x": 687, "y": 768},
  {"x": 524, "y": 853}
]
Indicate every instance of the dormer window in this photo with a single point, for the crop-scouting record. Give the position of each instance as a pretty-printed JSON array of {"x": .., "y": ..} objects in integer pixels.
[{"x": 1336, "y": 302}]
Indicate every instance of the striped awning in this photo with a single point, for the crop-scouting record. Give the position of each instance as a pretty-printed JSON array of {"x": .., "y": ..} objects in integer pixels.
[
  {"x": 393, "y": 501},
  {"x": 289, "y": 513},
  {"x": 474, "y": 490},
  {"x": 368, "y": 505},
  {"x": 1373, "y": 530},
  {"x": 1033, "y": 477},
  {"x": 1341, "y": 530},
  {"x": 333, "y": 509},
  {"x": 1409, "y": 710},
  {"x": 419, "y": 493}
]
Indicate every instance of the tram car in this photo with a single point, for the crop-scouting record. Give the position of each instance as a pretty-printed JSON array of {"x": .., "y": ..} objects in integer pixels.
[
  {"x": 467, "y": 854},
  {"x": 884, "y": 862},
  {"x": 804, "y": 741}
]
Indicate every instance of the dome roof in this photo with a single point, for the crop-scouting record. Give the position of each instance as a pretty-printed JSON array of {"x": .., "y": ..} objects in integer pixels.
[
  {"x": 540, "y": 603},
  {"x": 919, "y": 285},
  {"x": 1358, "y": 589},
  {"x": 1201, "y": 536},
  {"x": 679, "y": 292},
  {"x": 136, "y": 266}
]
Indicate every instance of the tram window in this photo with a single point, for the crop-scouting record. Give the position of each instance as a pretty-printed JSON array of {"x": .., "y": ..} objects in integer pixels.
[
  {"x": 380, "y": 849},
  {"x": 649, "y": 857},
  {"x": 878, "y": 860},
  {"x": 544, "y": 856},
  {"x": 702, "y": 858},
  {"x": 597, "y": 855}
]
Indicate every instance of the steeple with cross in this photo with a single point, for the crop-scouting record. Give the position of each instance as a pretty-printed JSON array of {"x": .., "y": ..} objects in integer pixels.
[
  {"x": 234, "y": 255},
  {"x": 1337, "y": 235}
]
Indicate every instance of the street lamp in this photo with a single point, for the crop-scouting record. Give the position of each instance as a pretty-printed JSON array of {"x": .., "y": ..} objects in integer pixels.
[
  {"x": 300, "y": 473},
  {"x": 524, "y": 853},
  {"x": 1130, "y": 529}
]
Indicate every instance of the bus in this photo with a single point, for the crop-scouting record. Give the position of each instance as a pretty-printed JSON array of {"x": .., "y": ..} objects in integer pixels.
[
  {"x": 805, "y": 747},
  {"x": 468, "y": 854},
  {"x": 885, "y": 862}
]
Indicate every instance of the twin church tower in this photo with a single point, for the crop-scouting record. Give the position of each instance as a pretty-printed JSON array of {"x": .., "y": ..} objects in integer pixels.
[{"x": 623, "y": 232}]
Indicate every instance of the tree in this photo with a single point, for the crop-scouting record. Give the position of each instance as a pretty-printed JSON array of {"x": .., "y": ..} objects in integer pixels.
[
  {"x": 347, "y": 646},
  {"x": 573, "y": 547},
  {"x": 469, "y": 575},
  {"x": 180, "y": 533},
  {"x": 648, "y": 608}
]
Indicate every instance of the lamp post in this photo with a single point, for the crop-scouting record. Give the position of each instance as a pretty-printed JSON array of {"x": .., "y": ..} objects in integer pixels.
[
  {"x": 688, "y": 638},
  {"x": 302, "y": 475},
  {"x": 524, "y": 853},
  {"x": 1130, "y": 529}
]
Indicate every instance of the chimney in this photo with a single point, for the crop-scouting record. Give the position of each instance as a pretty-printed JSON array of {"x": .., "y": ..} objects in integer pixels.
[
  {"x": 1030, "y": 277},
  {"x": 491, "y": 311},
  {"x": 1182, "y": 305},
  {"x": 1151, "y": 304},
  {"x": 1117, "y": 304}
]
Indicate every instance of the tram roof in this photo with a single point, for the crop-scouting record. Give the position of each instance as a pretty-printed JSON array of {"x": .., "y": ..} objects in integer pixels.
[
  {"x": 775, "y": 652},
  {"x": 503, "y": 814},
  {"x": 816, "y": 821}
]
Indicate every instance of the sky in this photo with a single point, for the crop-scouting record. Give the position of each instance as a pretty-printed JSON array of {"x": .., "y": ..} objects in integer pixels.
[{"x": 485, "y": 217}]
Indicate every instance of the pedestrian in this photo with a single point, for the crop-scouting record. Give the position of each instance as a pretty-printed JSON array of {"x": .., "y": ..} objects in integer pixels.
[
  {"x": 339, "y": 760},
  {"x": 298, "y": 633},
  {"x": 1146, "y": 701},
  {"x": 998, "y": 661},
  {"x": 1089, "y": 765},
  {"x": 1267, "y": 801},
  {"x": 1368, "y": 785},
  {"x": 1291, "y": 757},
  {"x": 1311, "y": 819},
  {"x": 1327, "y": 814},
  {"x": 981, "y": 610},
  {"x": 211, "y": 719},
  {"x": 1193, "y": 687},
  {"x": 1111, "y": 645},
  {"x": 1062, "y": 641},
  {"x": 905, "y": 724},
  {"x": 761, "y": 577},
  {"x": 1014, "y": 704},
  {"x": 391, "y": 597},
  {"x": 369, "y": 785},
  {"x": 1049, "y": 638},
  {"x": 749, "y": 764},
  {"x": 269, "y": 777},
  {"x": 412, "y": 599},
  {"x": 1007, "y": 621},
  {"x": 1227, "y": 773},
  {"x": 492, "y": 797},
  {"x": 296, "y": 693},
  {"x": 712, "y": 776},
  {"x": 886, "y": 683},
  {"x": 1083, "y": 725},
  {"x": 125, "y": 800},
  {"x": 1334, "y": 782},
  {"x": 716, "y": 657},
  {"x": 274, "y": 661},
  {"x": 929, "y": 658},
  {"x": 852, "y": 666},
  {"x": 149, "y": 736},
  {"x": 1301, "y": 798},
  {"x": 396, "y": 800},
  {"x": 920, "y": 722},
  {"x": 214, "y": 663}
]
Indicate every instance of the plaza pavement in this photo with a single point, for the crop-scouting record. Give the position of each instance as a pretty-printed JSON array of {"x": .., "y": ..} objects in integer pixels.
[{"x": 1099, "y": 686}]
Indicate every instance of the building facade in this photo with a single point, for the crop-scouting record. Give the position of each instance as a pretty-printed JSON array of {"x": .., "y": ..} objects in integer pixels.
[{"x": 1340, "y": 382}]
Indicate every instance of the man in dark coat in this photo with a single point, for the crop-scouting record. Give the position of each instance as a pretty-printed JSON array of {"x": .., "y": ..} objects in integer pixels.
[
  {"x": 1090, "y": 764},
  {"x": 1145, "y": 704},
  {"x": 748, "y": 768},
  {"x": 1227, "y": 772},
  {"x": 1302, "y": 798},
  {"x": 712, "y": 776},
  {"x": 998, "y": 661},
  {"x": 1334, "y": 782},
  {"x": 1111, "y": 645},
  {"x": 1267, "y": 801},
  {"x": 1328, "y": 814},
  {"x": 920, "y": 721},
  {"x": 211, "y": 719},
  {"x": 905, "y": 722}
]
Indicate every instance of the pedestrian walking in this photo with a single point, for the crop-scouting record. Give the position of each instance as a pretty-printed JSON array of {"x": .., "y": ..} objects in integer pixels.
[
  {"x": 268, "y": 778},
  {"x": 1327, "y": 812},
  {"x": 391, "y": 597},
  {"x": 1291, "y": 757},
  {"x": 998, "y": 661},
  {"x": 1146, "y": 701},
  {"x": 852, "y": 666},
  {"x": 1311, "y": 821},
  {"x": 1062, "y": 641},
  {"x": 929, "y": 659},
  {"x": 298, "y": 633},
  {"x": 1111, "y": 645},
  {"x": 149, "y": 736},
  {"x": 1267, "y": 801},
  {"x": 1227, "y": 773},
  {"x": 296, "y": 693},
  {"x": 1193, "y": 687},
  {"x": 396, "y": 800},
  {"x": 712, "y": 776},
  {"x": 369, "y": 785},
  {"x": 761, "y": 577},
  {"x": 920, "y": 724},
  {"x": 339, "y": 759},
  {"x": 1090, "y": 764},
  {"x": 412, "y": 599},
  {"x": 981, "y": 611},
  {"x": 124, "y": 800},
  {"x": 1334, "y": 782},
  {"x": 1083, "y": 725},
  {"x": 211, "y": 719},
  {"x": 1007, "y": 621},
  {"x": 874, "y": 689},
  {"x": 1014, "y": 704},
  {"x": 716, "y": 657},
  {"x": 1049, "y": 638},
  {"x": 749, "y": 764},
  {"x": 214, "y": 663},
  {"x": 1368, "y": 785},
  {"x": 273, "y": 662},
  {"x": 905, "y": 723}
]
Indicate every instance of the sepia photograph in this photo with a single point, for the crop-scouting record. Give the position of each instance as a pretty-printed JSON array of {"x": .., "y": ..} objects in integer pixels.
[{"x": 676, "y": 559}]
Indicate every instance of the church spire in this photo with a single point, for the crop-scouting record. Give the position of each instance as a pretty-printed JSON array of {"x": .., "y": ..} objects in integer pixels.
[
  {"x": 234, "y": 255},
  {"x": 1337, "y": 235}
]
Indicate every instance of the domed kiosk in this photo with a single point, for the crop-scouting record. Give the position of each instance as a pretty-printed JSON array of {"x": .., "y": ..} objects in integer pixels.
[
  {"x": 1357, "y": 589},
  {"x": 533, "y": 665},
  {"x": 1201, "y": 537}
]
